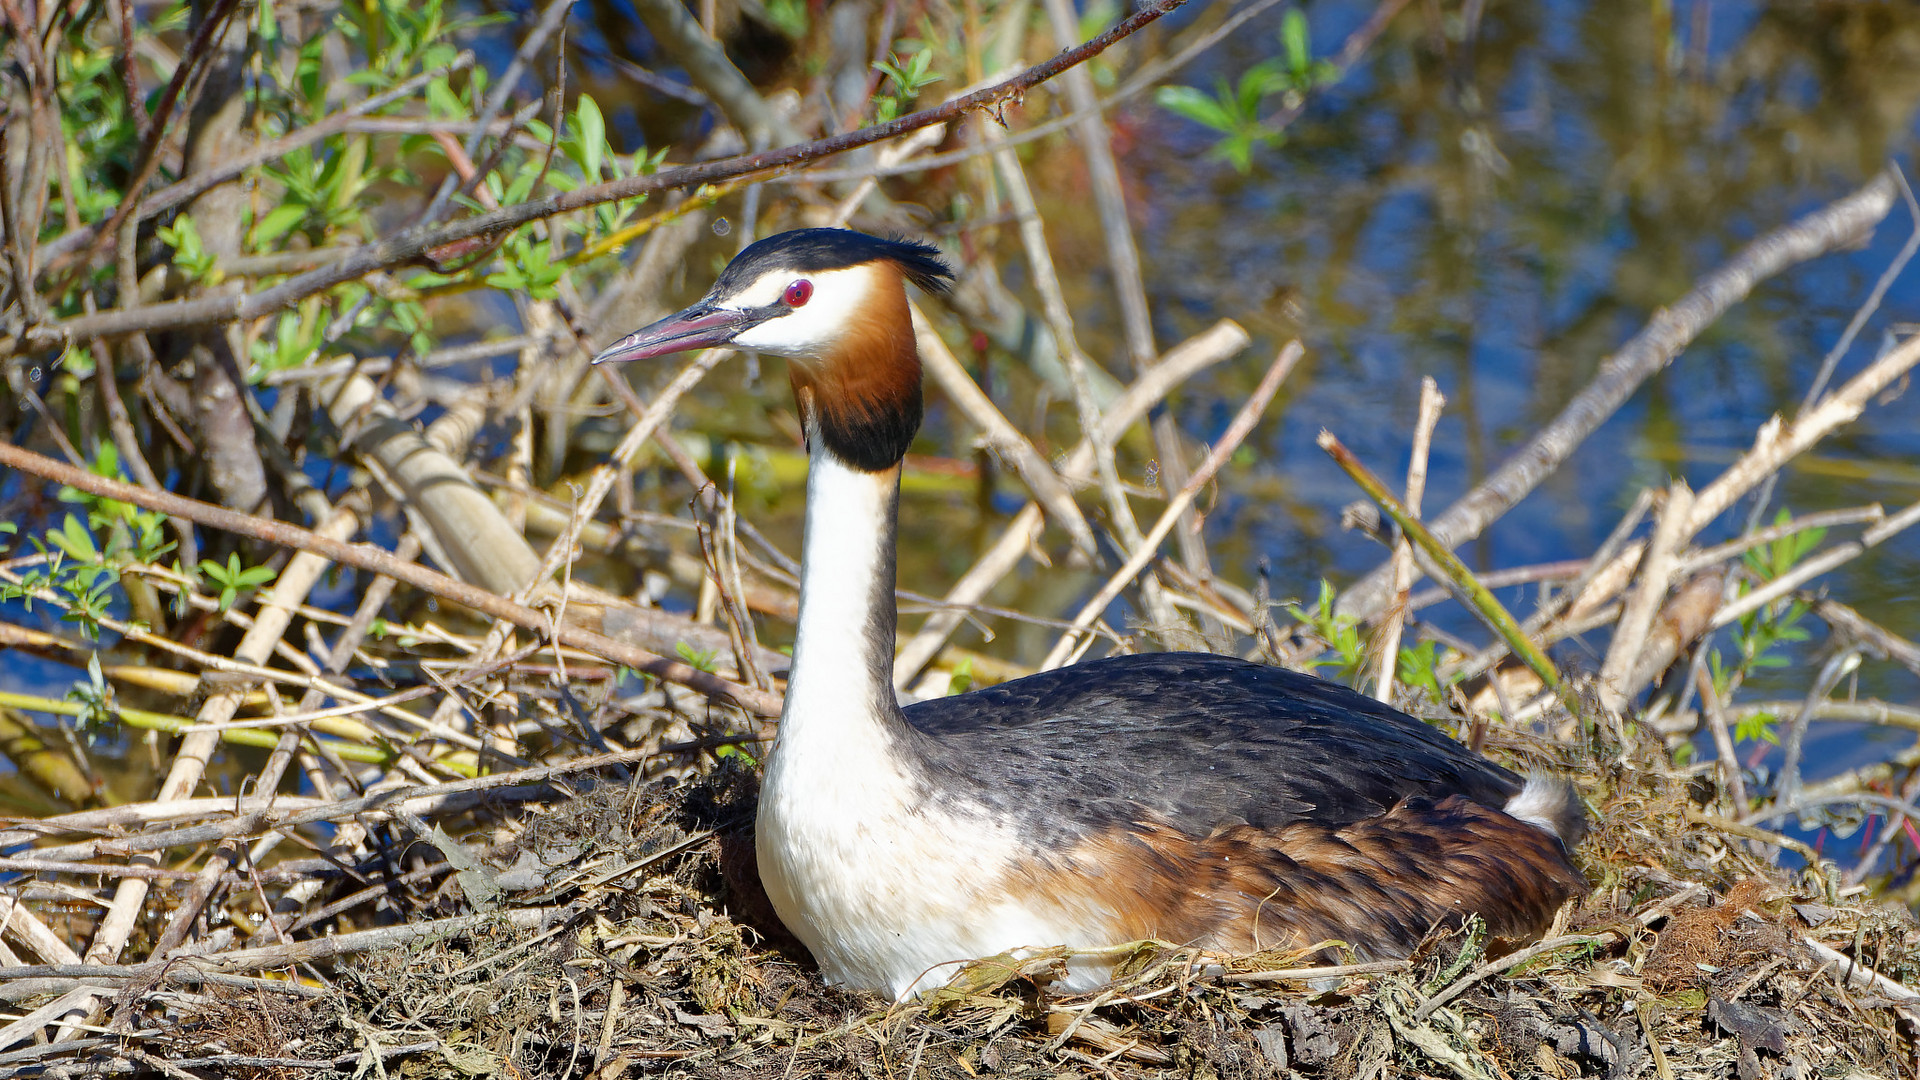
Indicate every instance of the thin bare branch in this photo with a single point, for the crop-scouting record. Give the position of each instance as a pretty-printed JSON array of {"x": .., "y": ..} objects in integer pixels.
[{"x": 411, "y": 244}]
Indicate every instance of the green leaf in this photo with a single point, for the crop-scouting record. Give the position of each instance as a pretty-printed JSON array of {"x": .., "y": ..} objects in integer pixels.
[
  {"x": 189, "y": 255},
  {"x": 1237, "y": 149},
  {"x": 1418, "y": 667},
  {"x": 593, "y": 136},
  {"x": 307, "y": 70},
  {"x": 1196, "y": 105},
  {"x": 232, "y": 577},
  {"x": 254, "y": 575},
  {"x": 789, "y": 17},
  {"x": 962, "y": 678},
  {"x": 910, "y": 77},
  {"x": 76, "y": 540},
  {"x": 1769, "y": 561},
  {"x": 442, "y": 101},
  {"x": 1293, "y": 37},
  {"x": 277, "y": 221},
  {"x": 1259, "y": 81},
  {"x": 522, "y": 185},
  {"x": 702, "y": 660},
  {"x": 1758, "y": 727},
  {"x": 524, "y": 266},
  {"x": 1340, "y": 632},
  {"x": 733, "y": 751}
]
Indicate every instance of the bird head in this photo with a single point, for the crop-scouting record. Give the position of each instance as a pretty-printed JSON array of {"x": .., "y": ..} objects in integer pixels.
[{"x": 834, "y": 303}]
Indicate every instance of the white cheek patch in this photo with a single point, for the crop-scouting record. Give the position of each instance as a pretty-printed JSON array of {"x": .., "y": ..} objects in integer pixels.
[{"x": 808, "y": 332}]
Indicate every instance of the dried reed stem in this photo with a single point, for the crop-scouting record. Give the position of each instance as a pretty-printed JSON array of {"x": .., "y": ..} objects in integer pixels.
[
  {"x": 1630, "y": 633},
  {"x": 1224, "y": 339},
  {"x": 1388, "y": 645},
  {"x": 196, "y": 749},
  {"x": 1237, "y": 431}
]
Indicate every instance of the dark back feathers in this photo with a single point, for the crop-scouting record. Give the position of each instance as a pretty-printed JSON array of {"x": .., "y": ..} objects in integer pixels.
[{"x": 1191, "y": 740}]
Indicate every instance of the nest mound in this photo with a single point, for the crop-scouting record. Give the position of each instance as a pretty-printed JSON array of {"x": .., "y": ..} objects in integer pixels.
[{"x": 618, "y": 948}]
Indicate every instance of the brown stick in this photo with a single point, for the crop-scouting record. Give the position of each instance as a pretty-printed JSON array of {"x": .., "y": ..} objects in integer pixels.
[
  {"x": 1735, "y": 782},
  {"x": 1870, "y": 636},
  {"x": 1000, "y": 434},
  {"x": 1825, "y": 561},
  {"x": 1774, "y": 446},
  {"x": 708, "y": 66},
  {"x": 111, "y": 870},
  {"x": 368, "y": 557},
  {"x": 385, "y": 937},
  {"x": 129, "y": 72},
  {"x": 1123, "y": 262},
  {"x": 19, "y": 259},
  {"x": 196, "y": 750},
  {"x": 1203, "y": 350},
  {"x": 1493, "y": 967},
  {"x": 1059, "y": 316},
  {"x": 184, "y": 973},
  {"x": 1656, "y": 570},
  {"x": 413, "y": 243},
  {"x": 1442, "y": 564}
]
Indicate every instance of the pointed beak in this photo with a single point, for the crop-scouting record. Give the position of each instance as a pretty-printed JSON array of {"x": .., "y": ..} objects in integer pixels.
[{"x": 700, "y": 326}]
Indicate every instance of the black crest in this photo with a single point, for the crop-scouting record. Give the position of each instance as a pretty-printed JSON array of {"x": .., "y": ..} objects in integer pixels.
[{"x": 813, "y": 250}]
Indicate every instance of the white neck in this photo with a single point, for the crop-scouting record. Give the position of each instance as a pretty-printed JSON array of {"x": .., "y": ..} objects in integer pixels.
[
  {"x": 841, "y": 679},
  {"x": 886, "y": 889}
]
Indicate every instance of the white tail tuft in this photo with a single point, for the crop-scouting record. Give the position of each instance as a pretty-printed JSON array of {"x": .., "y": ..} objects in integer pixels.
[{"x": 1552, "y": 804}]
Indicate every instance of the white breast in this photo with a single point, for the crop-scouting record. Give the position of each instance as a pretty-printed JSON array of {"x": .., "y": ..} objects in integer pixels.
[{"x": 891, "y": 896}]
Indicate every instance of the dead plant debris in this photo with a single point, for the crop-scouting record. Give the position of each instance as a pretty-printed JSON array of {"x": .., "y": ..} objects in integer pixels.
[{"x": 645, "y": 965}]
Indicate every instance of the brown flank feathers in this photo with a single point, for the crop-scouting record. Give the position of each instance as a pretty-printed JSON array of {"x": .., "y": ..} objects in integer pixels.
[{"x": 1378, "y": 884}]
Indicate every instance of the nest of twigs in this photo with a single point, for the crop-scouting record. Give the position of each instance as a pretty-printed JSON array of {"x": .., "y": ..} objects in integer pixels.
[{"x": 633, "y": 955}]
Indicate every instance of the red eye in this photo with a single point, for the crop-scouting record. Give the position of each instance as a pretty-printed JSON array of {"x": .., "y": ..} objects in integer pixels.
[{"x": 798, "y": 293}]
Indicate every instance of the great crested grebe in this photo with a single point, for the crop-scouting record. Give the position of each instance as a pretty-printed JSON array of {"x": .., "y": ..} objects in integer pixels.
[{"x": 1186, "y": 797}]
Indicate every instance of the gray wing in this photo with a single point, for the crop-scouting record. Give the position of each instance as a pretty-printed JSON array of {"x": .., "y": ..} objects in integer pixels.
[{"x": 1190, "y": 739}]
